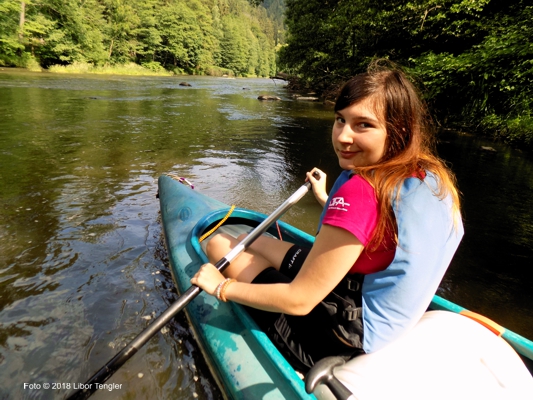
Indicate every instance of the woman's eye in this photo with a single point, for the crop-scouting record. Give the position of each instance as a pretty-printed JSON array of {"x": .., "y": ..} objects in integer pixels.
[
  {"x": 365, "y": 125},
  {"x": 340, "y": 120}
]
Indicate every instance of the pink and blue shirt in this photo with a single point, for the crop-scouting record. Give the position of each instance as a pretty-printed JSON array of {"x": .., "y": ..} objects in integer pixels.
[{"x": 399, "y": 283}]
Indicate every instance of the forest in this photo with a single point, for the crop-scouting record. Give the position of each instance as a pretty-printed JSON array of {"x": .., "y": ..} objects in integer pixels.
[
  {"x": 215, "y": 37},
  {"x": 473, "y": 58}
]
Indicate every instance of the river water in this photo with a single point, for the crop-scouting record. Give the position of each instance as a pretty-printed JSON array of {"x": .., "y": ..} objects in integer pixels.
[{"x": 83, "y": 267}]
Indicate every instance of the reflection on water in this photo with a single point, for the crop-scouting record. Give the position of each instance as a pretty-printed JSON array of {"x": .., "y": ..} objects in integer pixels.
[
  {"x": 491, "y": 273},
  {"x": 82, "y": 266}
]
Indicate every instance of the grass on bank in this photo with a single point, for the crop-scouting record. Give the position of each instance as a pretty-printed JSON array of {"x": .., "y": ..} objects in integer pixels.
[
  {"x": 515, "y": 130},
  {"x": 150, "y": 68},
  {"x": 123, "y": 69}
]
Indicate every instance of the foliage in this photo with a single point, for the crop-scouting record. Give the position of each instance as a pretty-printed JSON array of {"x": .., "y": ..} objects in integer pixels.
[
  {"x": 192, "y": 36},
  {"x": 154, "y": 66},
  {"x": 276, "y": 13},
  {"x": 181, "y": 43},
  {"x": 10, "y": 45},
  {"x": 490, "y": 85},
  {"x": 474, "y": 57},
  {"x": 76, "y": 67}
]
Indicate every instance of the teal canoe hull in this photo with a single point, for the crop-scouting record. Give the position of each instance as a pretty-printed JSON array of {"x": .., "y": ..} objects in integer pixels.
[{"x": 244, "y": 361}]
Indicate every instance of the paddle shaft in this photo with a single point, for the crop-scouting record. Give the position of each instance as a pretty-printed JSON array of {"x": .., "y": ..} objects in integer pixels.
[{"x": 127, "y": 352}]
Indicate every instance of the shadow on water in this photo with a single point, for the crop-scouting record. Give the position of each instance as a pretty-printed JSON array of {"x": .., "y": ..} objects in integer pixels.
[{"x": 491, "y": 272}]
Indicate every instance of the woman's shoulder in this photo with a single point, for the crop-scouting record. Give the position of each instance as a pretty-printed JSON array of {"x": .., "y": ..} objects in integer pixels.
[
  {"x": 357, "y": 182},
  {"x": 424, "y": 180},
  {"x": 356, "y": 191}
]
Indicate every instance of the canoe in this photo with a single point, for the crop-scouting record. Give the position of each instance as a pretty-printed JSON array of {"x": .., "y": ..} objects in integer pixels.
[
  {"x": 243, "y": 360},
  {"x": 444, "y": 356}
]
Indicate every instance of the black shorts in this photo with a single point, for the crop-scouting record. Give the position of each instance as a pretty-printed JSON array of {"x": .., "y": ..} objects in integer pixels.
[
  {"x": 290, "y": 266},
  {"x": 303, "y": 340}
]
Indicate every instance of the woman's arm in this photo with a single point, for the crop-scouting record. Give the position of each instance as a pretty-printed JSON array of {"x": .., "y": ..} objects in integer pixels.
[{"x": 333, "y": 254}]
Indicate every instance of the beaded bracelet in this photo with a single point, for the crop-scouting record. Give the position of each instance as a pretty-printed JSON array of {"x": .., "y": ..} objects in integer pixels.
[
  {"x": 221, "y": 289},
  {"x": 224, "y": 287}
]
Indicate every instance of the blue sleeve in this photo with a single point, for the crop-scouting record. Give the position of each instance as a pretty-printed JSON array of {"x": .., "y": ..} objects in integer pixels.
[{"x": 396, "y": 298}]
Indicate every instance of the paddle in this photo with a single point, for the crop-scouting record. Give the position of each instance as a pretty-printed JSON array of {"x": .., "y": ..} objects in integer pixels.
[
  {"x": 322, "y": 372},
  {"x": 127, "y": 352}
]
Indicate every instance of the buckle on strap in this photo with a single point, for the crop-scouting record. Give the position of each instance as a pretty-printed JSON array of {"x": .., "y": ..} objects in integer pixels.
[
  {"x": 352, "y": 313},
  {"x": 353, "y": 285}
]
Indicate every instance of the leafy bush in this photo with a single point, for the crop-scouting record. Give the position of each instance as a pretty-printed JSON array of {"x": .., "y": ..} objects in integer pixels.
[
  {"x": 154, "y": 66},
  {"x": 32, "y": 64},
  {"x": 517, "y": 130},
  {"x": 213, "y": 70},
  {"x": 118, "y": 69},
  {"x": 474, "y": 57}
]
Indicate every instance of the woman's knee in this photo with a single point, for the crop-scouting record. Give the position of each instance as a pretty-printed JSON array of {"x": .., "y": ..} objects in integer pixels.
[{"x": 218, "y": 246}]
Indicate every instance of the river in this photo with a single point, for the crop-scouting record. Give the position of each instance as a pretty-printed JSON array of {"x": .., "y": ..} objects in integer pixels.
[{"x": 83, "y": 267}]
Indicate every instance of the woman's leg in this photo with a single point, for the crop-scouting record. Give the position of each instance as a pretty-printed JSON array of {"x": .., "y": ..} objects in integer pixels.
[
  {"x": 263, "y": 253},
  {"x": 303, "y": 340}
]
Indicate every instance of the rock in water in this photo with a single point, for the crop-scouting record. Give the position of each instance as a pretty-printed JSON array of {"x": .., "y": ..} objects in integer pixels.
[{"x": 268, "y": 97}]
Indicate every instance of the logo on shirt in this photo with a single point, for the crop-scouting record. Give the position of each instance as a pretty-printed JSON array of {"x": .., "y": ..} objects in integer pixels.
[{"x": 337, "y": 203}]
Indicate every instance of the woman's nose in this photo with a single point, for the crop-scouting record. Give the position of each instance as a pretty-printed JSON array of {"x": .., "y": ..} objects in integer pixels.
[{"x": 345, "y": 134}]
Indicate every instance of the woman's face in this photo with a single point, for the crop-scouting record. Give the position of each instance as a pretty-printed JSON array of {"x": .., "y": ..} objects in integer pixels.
[{"x": 359, "y": 135}]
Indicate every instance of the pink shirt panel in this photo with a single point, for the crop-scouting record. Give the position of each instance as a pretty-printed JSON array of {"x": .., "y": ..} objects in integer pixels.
[{"x": 355, "y": 208}]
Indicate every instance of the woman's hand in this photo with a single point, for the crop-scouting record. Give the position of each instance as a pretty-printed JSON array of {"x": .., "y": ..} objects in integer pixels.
[
  {"x": 208, "y": 278},
  {"x": 318, "y": 185}
]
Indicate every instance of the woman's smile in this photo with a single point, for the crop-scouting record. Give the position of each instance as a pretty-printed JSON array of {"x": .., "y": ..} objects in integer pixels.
[{"x": 347, "y": 154}]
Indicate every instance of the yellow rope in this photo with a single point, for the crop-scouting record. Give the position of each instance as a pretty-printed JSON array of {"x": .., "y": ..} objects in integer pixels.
[{"x": 205, "y": 235}]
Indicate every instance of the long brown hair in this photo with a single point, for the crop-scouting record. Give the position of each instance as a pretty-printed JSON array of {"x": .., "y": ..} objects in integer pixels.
[{"x": 410, "y": 142}]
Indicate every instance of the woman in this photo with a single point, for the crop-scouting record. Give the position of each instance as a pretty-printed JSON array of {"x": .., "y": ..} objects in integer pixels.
[{"x": 387, "y": 234}]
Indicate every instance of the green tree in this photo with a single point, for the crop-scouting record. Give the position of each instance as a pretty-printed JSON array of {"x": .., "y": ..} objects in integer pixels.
[
  {"x": 10, "y": 44},
  {"x": 218, "y": 33},
  {"x": 491, "y": 84},
  {"x": 475, "y": 56},
  {"x": 74, "y": 32},
  {"x": 121, "y": 29},
  {"x": 276, "y": 13},
  {"x": 234, "y": 45},
  {"x": 181, "y": 36},
  {"x": 211, "y": 33},
  {"x": 148, "y": 35},
  {"x": 333, "y": 39},
  {"x": 317, "y": 40}
]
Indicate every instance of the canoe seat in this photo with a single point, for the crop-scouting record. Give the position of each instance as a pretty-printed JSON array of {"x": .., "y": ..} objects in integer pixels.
[{"x": 445, "y": 356}]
